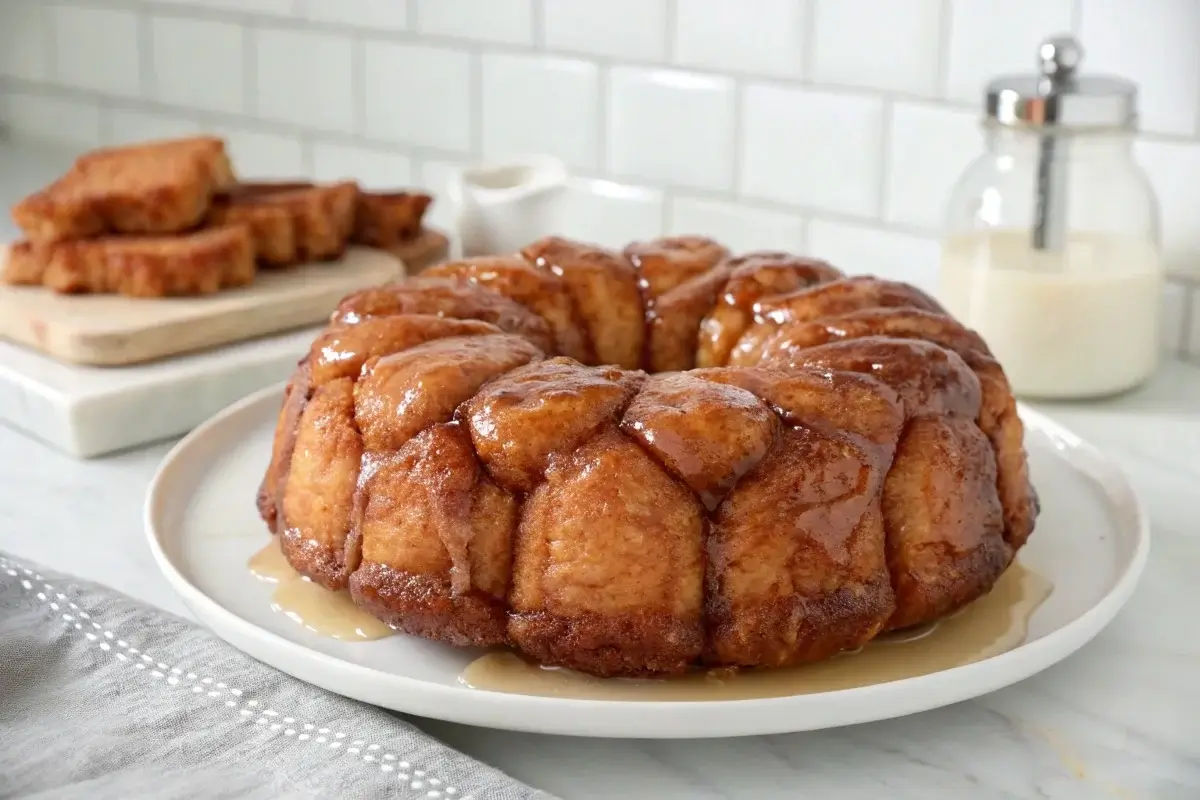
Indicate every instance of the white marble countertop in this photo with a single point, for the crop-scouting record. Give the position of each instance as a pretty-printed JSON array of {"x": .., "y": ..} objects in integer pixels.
[{"x": 1120, "y": 719}]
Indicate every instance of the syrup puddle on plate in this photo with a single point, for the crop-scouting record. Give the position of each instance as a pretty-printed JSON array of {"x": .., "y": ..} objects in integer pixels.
[
  {"x": 993, "y": 624},
  {"x": 322, "y": 611}
]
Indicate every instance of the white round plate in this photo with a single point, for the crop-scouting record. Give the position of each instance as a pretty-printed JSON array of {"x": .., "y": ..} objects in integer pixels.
[{"x": 202, "y": 525}]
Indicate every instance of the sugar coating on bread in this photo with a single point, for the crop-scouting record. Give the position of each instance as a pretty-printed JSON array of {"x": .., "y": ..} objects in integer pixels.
[
  {"x": 139, "y": 266},
  {"x": 385, "y": 219},
  {"x": 271, "y": 228},
  {"x": 145, "y": 189},
  {"x": 210, "y": 150},
  {"x": 846, "y": 461},
  {"x": 322, "y": 217}
]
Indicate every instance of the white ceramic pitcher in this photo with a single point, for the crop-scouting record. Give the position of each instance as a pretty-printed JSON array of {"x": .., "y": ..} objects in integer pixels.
[{"x": 503, "y": 207}]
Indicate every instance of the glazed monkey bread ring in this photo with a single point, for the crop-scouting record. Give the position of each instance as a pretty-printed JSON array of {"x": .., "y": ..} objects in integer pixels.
[{"x": 635, "y": 463}]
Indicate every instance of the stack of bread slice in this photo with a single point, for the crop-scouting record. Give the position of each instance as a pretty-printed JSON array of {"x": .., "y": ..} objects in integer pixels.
[{"x": 170, "y": 218}]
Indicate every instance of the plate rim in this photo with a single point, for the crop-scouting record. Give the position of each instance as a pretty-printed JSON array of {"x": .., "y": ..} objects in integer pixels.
[{"x": 654, "y": 719}]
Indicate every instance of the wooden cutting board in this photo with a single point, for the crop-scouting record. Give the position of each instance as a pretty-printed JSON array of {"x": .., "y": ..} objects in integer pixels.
[{"x": 110, "y": 330}]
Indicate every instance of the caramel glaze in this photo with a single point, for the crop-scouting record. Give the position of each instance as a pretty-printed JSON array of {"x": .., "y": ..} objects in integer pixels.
[
  {"x": 992, "y": 625},
  {"x": 663, "y": 264},
  {"x": 859, "y": 469},
  {"x": 331, "y": 614}
]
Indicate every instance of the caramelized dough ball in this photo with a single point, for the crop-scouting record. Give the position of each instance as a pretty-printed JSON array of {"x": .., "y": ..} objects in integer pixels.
[
  {"x": 604, "y": 288},
  {"x": 944, "y": 524},
  {"x": 402, "y": 394},
  {"x": 295, "y": 395},
  {"x": 608, "y": 568},
  {"x": 319, "y": 493},
  {"x": 765, "y": 338},
  {"x": 928, "y": 379},
  {"x": 436, "y": 541},
  {"x": 445, "y": 297},
  {"x": 340, "y": 351},
  {"x": 541, "y": 292},
  {"x": 670, "y": 261},
  {"x": 842, "y": 296},
  {"x": 706, "y": 434},
  {"x": 856, "y": 404},
  {"x": 998, "y": 417},
  {"x": 755, "y": 275},
  {"x": 673, "y": 323},
  {"x": 797, "y": 569},
  {"x": 941, "y": 508},
  {"x": 521, "y": 422},
  {"x": 1001, "y": 423}
]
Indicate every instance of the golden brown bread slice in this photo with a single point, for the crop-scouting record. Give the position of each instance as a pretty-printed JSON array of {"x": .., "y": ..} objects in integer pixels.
[
  {"x": 210, "y": 150},
  {"x": 161, "y": 193},
  {"x": 148, "y": 266},
  {"x": 322, "y": 216},
  {"x": 162, "y": 187},
  {"x": 384, "y": 219},
  {"x": 25, "y": 263},
  {"x": 271, "y": 227}
]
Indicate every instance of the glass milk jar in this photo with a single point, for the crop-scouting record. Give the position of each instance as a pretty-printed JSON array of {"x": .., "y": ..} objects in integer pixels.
[{"x": 1052, "y": 246}]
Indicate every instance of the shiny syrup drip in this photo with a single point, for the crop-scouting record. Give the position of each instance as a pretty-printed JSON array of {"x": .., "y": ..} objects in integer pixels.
[
  {"x": 993, "y": 624},
  {"x": 327, "y": 613}
]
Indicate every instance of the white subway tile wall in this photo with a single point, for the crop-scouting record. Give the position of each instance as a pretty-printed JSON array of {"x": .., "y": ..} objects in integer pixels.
[
  {"x": 199, "y": 64},
  {"x": 833, "y": 127}
]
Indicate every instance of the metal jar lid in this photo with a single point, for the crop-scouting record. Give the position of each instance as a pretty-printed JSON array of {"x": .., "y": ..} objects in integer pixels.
[{"x": 1059, "y": 97}]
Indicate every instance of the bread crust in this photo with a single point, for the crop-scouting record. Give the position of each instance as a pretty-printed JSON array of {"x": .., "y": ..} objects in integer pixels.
[
  {"x": 197, "y": 263},
  {"x": 847, "y": 460},
  {"x": 385, "y": 219},
  {"x": 321, "y": 217},
  {"x": 155, "y": 188}
]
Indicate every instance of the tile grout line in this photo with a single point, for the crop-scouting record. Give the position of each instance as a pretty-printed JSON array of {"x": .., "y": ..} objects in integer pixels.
[
  {"x": 1187, "y": 326},
  {"x": 50, "y": 40},
  {"x": 603, "y": 111},
  {"x": 475, "y": 103},
  {"x": 147, "y": 85},
  {"x": 469, "y": 45},
  {"x": 358, "y": 85},
  {"x": 738, "y": 137},
  {"x": 419, "y": 153},
  {"x": 537, "y": 20},
  {"x": 250, "y": 70},
  {"x": 884, "y": 180},
  {"x": 671, "y": 18},
  {"x": 945, "y": 29},
  {"x": 808, "y": 42},
  {"x": 107, "y": 104}
]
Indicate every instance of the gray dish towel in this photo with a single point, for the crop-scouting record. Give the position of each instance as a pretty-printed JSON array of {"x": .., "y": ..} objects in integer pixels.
[{"x": 103, "y": 697}]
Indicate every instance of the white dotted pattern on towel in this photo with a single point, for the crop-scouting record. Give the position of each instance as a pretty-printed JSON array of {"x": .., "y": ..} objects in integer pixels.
[{"x": 107, "y": 641}]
